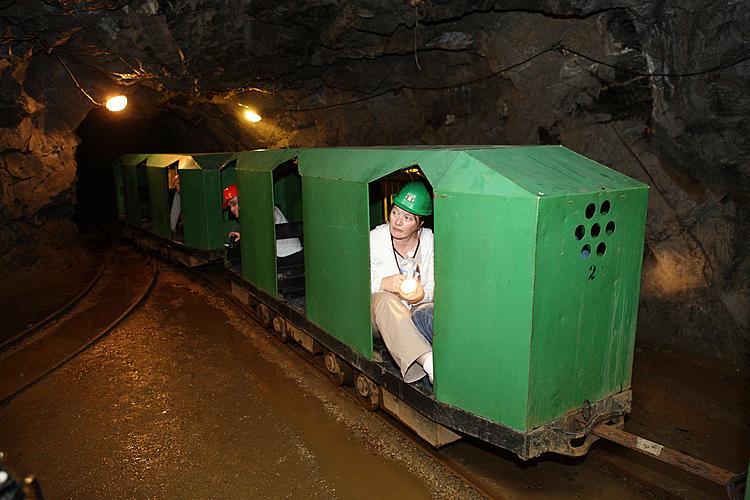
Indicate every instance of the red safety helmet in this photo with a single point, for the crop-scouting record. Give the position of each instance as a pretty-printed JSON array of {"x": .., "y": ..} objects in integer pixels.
[{"x": 229, "y": 193}]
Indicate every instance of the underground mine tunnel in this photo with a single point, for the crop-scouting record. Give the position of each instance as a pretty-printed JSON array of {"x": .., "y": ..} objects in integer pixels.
[{"x": 575, "y": 172}]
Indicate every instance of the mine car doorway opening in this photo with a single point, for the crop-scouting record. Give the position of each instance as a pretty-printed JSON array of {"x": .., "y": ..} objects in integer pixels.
[
  {"x": 164, "y": 204},
  {"x": 176, "y": 225},
  {"x": 402, "y": 245},
  {"x": 383, "y": 190},
  {"x": 144, "y": 198},
  {"x": 288, "y": 225},
  {"x": 230, "y": 221}
]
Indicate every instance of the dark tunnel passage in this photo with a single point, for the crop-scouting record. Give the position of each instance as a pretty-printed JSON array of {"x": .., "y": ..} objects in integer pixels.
[
  {"x": 104, "y": 136},
  {"x": 174, "y": 128}
]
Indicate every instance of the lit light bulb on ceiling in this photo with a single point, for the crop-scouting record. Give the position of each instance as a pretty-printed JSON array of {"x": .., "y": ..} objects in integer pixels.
[
  {"x": 252, "y": 116},
  {"x": 116, "y": 103}
]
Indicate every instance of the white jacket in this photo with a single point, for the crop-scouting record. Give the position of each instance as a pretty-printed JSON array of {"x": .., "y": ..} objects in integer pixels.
[
  {"x": 287, "y": 246},
  {"x": 383, "y": 263}
]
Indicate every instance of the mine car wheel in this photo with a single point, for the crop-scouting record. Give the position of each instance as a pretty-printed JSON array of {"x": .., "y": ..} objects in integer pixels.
[
  {"x": 279, "y": 326},
  {"x": 264, "y": 315},
  {"x": 367, "y": 392},
  {"x": 339, "y": 371}
]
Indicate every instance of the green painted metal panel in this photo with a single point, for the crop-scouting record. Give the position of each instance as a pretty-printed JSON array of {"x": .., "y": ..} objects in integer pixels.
[
  {"x": 513, "y": 317},
  {"x": 335, "y": 195},
  {"x": 467, "y": 175},
  {"x": 228, "y": 176},
  {"x": 486, "y": 210},
  {"x": 211, "y": 161},
  {"x": 369, "y": 164},
  {"x": 264, "y": 160},
  {"x": 144, "y": 203},
  {"x": 257, "y": 196},
  {"x": 132, "y": 209},
  {"x": 287, "y": 194},
  {"x": 551, "y": 170},
  {"x": 337, "y": 275},
  {"x": 130, "y": 186},
  {"x": 202, "y": 178},
  {"x": 585, "y": 309},
  {"x": 158, "y": 193},
  {"x": 201, "y": 200},
  {"x": 484, "y": 255},
  {"x": 258, "y": 243}
]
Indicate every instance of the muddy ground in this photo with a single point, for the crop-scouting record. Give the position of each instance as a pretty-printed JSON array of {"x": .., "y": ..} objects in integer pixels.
[{"x": 190, "y": 398}]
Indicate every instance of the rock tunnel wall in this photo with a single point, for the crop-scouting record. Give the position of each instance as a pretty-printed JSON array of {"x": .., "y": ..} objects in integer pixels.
[{"x": 656, "y": 90}]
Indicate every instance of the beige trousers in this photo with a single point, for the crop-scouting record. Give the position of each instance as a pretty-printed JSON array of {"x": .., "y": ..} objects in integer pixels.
[{"x": 392, "y": 320}]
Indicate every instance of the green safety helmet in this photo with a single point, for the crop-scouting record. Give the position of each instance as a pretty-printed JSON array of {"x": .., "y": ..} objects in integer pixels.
[{"x": 414, "y": 198}]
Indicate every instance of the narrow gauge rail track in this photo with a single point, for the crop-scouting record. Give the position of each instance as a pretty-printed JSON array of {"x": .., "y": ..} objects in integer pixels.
[
  {"x": 123, "y": 283},
  {"x": 213, "y": 281},
  {"x": 31, "y": 329},
  {"x": 221, "y": 283}
]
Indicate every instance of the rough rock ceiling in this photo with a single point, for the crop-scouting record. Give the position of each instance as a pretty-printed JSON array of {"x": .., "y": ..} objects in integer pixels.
[{"x": 658, "y": 90}]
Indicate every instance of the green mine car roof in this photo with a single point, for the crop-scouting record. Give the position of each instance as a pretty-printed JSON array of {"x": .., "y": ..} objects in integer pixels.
[
  {"x": 208, "y": 161},
  {"x": 199, "y": 161},
  {"x": 265, "y": 160},
  {"x": 508, "y": 170}
]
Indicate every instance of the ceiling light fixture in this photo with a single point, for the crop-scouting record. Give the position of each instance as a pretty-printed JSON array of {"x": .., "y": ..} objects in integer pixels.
[
  {"x": 251, "y": 116},
  {"x": 116, "y": 103}
]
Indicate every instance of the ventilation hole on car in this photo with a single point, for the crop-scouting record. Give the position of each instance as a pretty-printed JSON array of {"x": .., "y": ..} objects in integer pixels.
[
  {"x": 590, "y": 210},
  {"x": 580, "y": 232},
  {"x": 610, "y": 227},
  {"x": 601, "y": 248},
  {"x": 586, "y": 251},
  {"x": 595, "y": 230},
  {"x": 604, "y": 210}
]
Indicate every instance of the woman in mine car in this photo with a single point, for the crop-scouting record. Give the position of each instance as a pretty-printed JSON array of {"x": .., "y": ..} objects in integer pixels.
[
  {"x": 402, "y": 314},
  {"x": 288, "y": 249}
]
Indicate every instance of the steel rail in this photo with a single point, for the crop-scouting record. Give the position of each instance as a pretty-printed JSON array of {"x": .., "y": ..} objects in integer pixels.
[
  {"x": 730, "y": 480},
  {"x": 37, "y": 326},
  {"x": 12, "y": 392},
  {"x": 733, "y": 482},
  {"x": 455, "y": 467}
]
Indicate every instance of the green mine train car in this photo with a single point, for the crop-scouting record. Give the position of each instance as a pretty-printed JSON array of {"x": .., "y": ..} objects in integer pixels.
[
  {"x": 538, "y": 256},
  {"x": 202, "y": 181},
  {"x": 146, "y": 187},
  {"x": 127, "y": 187}
]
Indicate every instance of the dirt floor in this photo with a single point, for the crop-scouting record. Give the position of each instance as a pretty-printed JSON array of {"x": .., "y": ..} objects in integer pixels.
[
  {"x": 190, "y": 398},
  {"x": 48, "y": 273},
  {"x": 689, "y": 404},
  {"x": 187, "y": 399}
]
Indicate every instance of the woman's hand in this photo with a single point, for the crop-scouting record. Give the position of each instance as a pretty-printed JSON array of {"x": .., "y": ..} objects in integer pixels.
[
  {"x": 415, "y": 296},
  {"x": 392, "y": 283},
  {"x": 235, "y": 234}
]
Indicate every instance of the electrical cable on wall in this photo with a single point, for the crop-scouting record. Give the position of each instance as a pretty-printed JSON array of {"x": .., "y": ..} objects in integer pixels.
[{"x": 559, "y": 47}]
